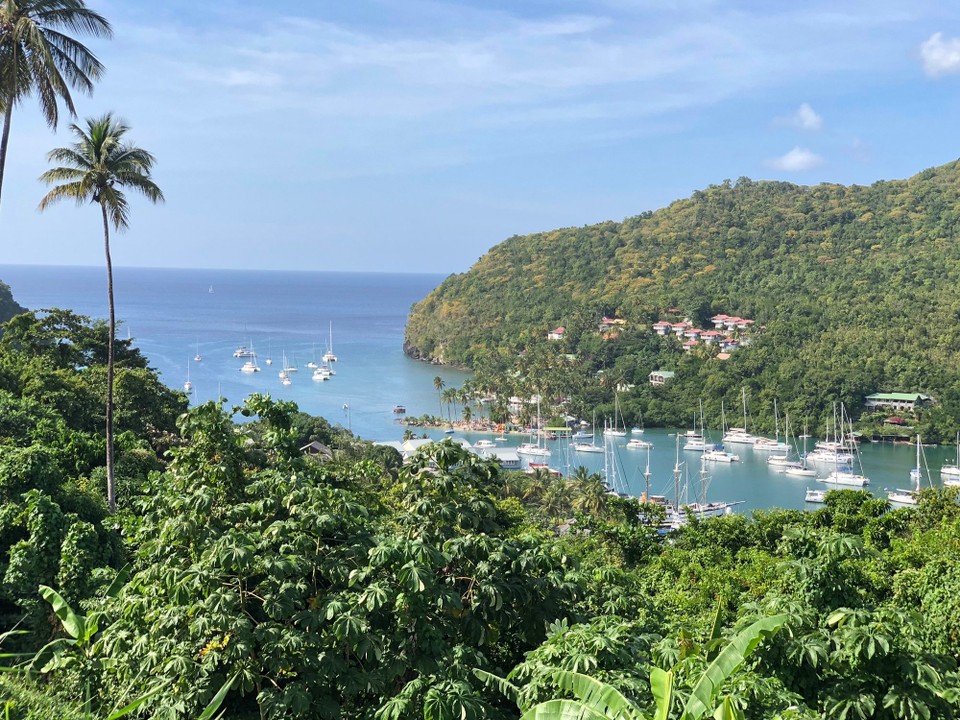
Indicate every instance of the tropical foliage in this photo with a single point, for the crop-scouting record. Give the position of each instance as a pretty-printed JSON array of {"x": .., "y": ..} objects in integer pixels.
[
  {"x": 242, "y": 575},
  {"x": 39, "y": 56}
]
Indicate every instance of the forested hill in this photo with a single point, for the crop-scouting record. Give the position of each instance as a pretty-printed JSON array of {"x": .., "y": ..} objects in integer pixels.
[
  {"x": 842, "y": 275},
  {"x": 8, "y": 306},
  {"x": 880, "y": 256}
]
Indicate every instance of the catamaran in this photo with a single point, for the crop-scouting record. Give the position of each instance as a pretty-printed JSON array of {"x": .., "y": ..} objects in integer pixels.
[{"x": 328, "y": 356}]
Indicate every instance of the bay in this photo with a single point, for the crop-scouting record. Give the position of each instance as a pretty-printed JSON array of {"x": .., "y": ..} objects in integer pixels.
[{"x": 172, "y": 315}]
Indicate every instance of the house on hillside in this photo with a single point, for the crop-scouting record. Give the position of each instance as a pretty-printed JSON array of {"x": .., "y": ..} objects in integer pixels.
[
  {"x": 898, "y": 401},
  {"x": 556, "y": 333},
  {"x": 662, "y": 327},
  {"x": 661, "y": 377}
]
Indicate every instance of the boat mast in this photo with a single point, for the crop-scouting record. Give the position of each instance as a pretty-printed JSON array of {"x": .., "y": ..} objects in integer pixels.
[
  {"x": 743, "y": 392},
  {"x": 646, "y": 476},
  {"x": 676, "y": 478}
]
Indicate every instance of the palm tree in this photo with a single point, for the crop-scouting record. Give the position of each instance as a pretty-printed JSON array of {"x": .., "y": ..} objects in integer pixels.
[
  {"x": 94, "y": 169},
  {"x": 36, "y": 56},
  {"x": 439, "y": 384}
]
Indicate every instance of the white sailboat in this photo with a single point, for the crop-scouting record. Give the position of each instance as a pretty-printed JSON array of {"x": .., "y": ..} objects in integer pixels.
[
  {"x": 188, "y": 386},
  {"x": 739, "y": 435},
  {"x": 292, "y": 366},
  {"x": 766, "y": 444},
  {"x": 678, "y": 515},
  {"x": 845, "y": 474},
  {"x": 313, "y": 362},
  {"x": 802, "y": 470},
  {"x": 197, "y": 357},
  {"x": 535, "y": 448},
  {"x": 717, "y": 453},
  {"x": 911, "y": 496},
  {"x": 250, "y": 366},
  {"x": 693, "y": 440},
  {"x": 584, "y": 441},
  {"x": 615, "y": 430},
  {"x": 951, "y": 473},
  {"x": 328, "y": 356}
]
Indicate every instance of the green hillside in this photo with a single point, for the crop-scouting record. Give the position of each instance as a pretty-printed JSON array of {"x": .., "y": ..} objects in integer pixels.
[{"x": 856, "y": 286}]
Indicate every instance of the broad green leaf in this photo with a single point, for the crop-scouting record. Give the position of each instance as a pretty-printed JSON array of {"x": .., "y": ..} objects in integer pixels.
[
  {"x": 562, "y": 710},
  {"x": 119, "y": 581},
  {"x": 837, "y": 617},
  {"x": 506, "y": 687},
  {"x": 604, "y": 699},
  {"x": 72, "y": 623},
  {"x": 728, "y": 660},
  {"x": 661, "y": 684},
  {"x": 726, "y": 710},
  {"x": 715, "y": 629}
]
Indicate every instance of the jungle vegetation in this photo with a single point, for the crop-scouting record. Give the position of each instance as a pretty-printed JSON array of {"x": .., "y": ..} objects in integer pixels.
[
  {"x": 855, "y": 288},
  {"x": 241, "y": 574}
]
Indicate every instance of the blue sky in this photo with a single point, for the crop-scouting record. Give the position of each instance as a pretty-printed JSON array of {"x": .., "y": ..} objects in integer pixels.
[{"x": 413, "y": 136}]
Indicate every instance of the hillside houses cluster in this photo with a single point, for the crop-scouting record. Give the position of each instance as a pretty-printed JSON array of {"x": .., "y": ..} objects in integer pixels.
[
  {"x": 728, "y": 332},
  {"x": 608, "y": 327}
]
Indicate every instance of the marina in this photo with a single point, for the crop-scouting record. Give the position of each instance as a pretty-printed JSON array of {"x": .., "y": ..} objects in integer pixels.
[{"x": 166, "y": 311}]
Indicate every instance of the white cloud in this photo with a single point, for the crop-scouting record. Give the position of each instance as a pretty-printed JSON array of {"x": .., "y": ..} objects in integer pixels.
[
  {"x": 940, "y": 56},
  {"x": 806, "y": 118},
  {"x": 797, "y": 160}
]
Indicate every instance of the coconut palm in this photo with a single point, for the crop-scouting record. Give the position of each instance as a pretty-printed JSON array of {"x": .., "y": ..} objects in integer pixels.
[
  {"x": 95, "y": 169},
  {"x": 37, "y": 57},
  {"x": 439, "y": 384}
]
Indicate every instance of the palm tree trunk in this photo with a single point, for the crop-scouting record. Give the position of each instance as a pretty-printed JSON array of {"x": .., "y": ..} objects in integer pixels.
[
  {"x": 4, "y": 139},
  {"x": 111, "y": 479}
]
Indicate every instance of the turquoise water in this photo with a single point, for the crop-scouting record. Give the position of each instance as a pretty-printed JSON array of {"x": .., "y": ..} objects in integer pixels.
[{"x": 171, "y": 314}]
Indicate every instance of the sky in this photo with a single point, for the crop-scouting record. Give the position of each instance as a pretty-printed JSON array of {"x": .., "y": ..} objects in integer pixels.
[{"x": 365, "y": 135}]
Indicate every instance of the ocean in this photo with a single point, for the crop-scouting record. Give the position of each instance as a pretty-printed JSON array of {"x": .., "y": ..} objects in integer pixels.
[{"x": 173, "y": 315}]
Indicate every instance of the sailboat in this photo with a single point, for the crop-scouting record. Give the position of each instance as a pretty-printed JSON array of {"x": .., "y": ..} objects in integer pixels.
[
  {"x": 740, "y": 436},
  {"x": 313, "y": 362},
  {"x": 802, "y": 470},
  {"x": 188, "y": 386},
  {"x": 694, "y": 441},
  {"x": 291, "y": 367},
  {"x": 678, "y": 515},
  {"x": 951, "y": 473},
  {"x": 911, "y": 496},
  {"x": 717, "y": 453},
  {"x": 766, "y": 444},
  {"x": 197, "y": 357},
  {"x": 535, "y": 449},
  {"x": 844, "y": 474},
  {"x": 584, "y": 442},
  {"x": 250, "y": 366},
  {"x": 615, "y": 430},
  {"x": 836, "y": 451},
  {"x": 328, "y": 356},
  {"x": 784, "y": 462},
  {"x": 269, "y": 360}
]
